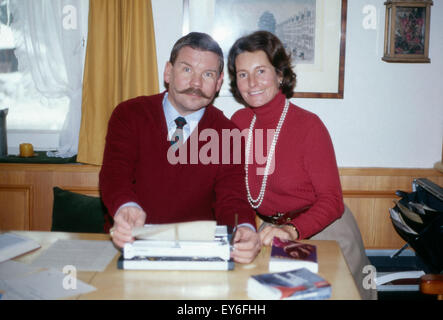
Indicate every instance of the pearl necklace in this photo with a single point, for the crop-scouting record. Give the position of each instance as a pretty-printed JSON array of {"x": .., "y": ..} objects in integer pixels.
[{"x": 255, "y": 203}]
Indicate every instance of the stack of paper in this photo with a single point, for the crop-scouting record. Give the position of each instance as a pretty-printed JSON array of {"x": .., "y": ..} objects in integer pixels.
[
  {"x": 196, "y": 245},
  {"x": 84, "y": 255},
  {"x": 19, "y": 281},
  {"x": 183, "y": 231},
  {"x": 53, "y": 274},
  {"x": 399, "y": 222}
]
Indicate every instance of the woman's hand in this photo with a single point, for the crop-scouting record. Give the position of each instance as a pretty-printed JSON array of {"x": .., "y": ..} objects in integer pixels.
[{"x": 285, "y": 232}]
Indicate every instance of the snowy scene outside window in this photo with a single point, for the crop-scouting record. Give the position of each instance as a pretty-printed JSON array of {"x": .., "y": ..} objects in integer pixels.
[{"x": 28, "y": 108}]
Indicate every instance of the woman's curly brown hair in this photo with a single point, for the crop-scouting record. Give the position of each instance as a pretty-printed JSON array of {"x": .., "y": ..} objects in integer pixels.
[{"x": 276, "y": 53}]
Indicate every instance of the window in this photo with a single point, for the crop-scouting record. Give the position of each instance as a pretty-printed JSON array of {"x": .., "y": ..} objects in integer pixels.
[{"x": 33, "y": 116}]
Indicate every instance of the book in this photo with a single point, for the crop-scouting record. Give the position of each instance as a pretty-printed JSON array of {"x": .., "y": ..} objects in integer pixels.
[
  {"x": 290, "y": 255},
  {"x": 300, "y": 284},
  {"x": 13, "y": 245},
  {"x": 175, "y": 263}
]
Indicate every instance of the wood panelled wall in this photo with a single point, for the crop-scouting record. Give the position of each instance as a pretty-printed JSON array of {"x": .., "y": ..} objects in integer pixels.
[
  {"x": 26, "y": 195},
  {"x": 369, "y": 193}
]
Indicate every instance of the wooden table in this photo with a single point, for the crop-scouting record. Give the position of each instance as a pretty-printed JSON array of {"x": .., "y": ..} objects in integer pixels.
[{"x": 119, "y": 284}]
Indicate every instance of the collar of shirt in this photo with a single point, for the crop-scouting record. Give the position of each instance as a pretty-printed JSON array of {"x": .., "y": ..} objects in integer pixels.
[{"x": 171, "y": 114}]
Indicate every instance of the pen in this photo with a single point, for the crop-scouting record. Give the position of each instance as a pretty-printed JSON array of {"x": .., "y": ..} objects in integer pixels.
[{"x": 235, "y": 230}]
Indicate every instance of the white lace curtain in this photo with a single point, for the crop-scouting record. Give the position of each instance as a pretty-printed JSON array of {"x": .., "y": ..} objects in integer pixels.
[{"x": 51, "y": 45}]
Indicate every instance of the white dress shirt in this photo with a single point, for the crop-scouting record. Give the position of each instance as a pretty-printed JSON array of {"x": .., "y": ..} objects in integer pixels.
[{"x": 171, "y": 114}]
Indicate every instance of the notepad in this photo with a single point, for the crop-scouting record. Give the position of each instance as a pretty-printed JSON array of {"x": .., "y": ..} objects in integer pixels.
[
  {"x": 84, "y": 255},
  {"x": 47, "y": 284},
  {"x": 13, "y": 245}
]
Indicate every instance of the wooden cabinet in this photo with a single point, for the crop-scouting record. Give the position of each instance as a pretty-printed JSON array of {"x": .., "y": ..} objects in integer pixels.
[
  {"x": 26, "y": 195},
  {"x": 15, "y": 207}
]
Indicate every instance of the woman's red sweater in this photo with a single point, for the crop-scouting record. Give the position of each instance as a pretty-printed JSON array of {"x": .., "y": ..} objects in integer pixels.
[{"x": 305, "y": 172}]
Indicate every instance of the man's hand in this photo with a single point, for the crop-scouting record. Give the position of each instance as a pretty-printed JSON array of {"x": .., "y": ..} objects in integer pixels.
[
  {"x": 125, "y": 220},
  {"x": 246, "y": 245},
  {"x": 269, "y": 232}
]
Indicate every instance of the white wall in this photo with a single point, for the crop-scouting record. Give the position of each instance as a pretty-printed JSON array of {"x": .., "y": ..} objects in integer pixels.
[{"x": 391, "y": 114}]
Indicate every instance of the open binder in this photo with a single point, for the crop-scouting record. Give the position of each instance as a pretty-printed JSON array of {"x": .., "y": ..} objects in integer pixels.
[{"x": 418, "y": 219}]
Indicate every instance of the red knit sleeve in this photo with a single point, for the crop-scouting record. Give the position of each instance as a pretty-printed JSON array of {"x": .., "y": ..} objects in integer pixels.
[
  {"x": 321, "y": 166},
  {"x": 117, "y": 172},
  {"x": 230, "y": 187},
  {"x": 231, "y": 196}
]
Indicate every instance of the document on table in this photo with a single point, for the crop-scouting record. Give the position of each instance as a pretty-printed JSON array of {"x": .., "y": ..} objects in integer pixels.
[
  {"x": 13, "y": 245},
  {"x": 12, "y": 269},
  {"x": 84, "y": 255},
  {"x": 19, "y": 281},
  {"x": 182, "y": 231}
]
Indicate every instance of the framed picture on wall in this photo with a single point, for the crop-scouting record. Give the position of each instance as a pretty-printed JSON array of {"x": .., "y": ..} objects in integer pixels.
[
  {"x": 313, "y": 32},
  {"x": 407, "y": 31}
]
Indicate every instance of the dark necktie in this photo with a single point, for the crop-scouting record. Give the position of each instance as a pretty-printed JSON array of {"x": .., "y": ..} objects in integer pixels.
[{"x": 178, "y": 134}]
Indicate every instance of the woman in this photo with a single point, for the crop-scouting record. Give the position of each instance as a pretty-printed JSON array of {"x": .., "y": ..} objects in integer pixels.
[{"x": 298, "y": 193}]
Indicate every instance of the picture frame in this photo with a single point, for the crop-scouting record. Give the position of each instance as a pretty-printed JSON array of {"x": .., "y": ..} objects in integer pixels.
[
  {"x": 407, "y": 26},
  {"x": 313, "y": 31}
]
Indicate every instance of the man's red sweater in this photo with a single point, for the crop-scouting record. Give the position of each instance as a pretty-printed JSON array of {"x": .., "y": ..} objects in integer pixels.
[{"x": 136, "y": 168}]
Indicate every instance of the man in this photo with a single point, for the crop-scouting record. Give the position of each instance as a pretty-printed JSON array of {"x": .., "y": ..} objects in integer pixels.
[{"x": 139, "y": 184}]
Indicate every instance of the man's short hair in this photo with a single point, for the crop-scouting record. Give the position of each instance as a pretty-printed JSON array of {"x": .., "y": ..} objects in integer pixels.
[{"x": 198, "y": 41}]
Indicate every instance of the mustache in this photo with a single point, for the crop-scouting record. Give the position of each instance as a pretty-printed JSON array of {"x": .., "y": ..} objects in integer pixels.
[{"x": 195, "y": 91}]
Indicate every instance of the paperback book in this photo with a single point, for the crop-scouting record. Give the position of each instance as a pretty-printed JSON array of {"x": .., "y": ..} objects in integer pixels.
[
  {"x": 299, "y": 284},
  {"x": 289, "y": 255}
]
